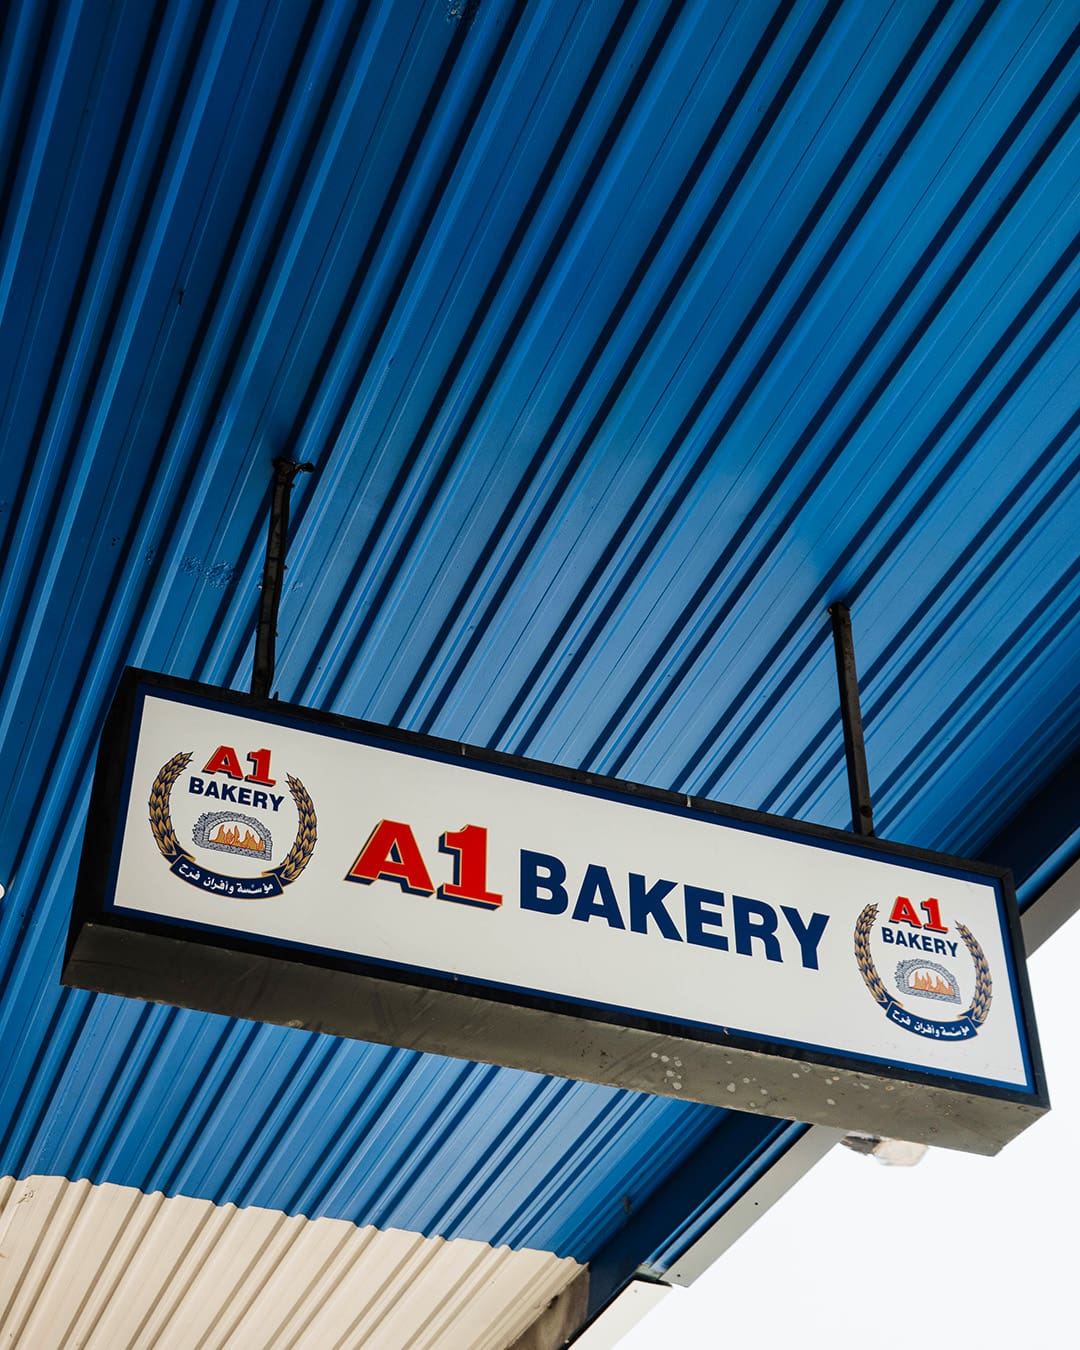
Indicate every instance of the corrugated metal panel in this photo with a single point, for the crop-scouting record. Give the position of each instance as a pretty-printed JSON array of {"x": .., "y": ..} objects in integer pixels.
[
  {"x": 624, "y": 337},
  {"x": 192, "y": 1105},
  {"x": 106, "y": 1268}
]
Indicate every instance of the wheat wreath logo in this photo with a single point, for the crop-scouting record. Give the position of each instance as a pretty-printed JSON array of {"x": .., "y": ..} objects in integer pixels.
[
  {"x": 240, "y": 834},
  {"x": 916, "y": 978}
]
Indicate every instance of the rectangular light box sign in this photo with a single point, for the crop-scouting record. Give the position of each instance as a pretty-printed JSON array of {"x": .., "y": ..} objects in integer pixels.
[{"x": 269, "y": 862}]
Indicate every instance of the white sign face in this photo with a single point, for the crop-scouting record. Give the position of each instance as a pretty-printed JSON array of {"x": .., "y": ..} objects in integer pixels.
[{"x": 426, "y": 861}]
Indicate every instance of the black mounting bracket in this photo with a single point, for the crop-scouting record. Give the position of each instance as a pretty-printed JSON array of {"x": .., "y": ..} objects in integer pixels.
[
  {"x": 262, "y": 674},
  {"x": 862, "y": 812}
]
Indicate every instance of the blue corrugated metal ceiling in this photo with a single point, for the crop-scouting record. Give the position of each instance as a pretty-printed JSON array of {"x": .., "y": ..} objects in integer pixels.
[{"x": 624, "y": 337}]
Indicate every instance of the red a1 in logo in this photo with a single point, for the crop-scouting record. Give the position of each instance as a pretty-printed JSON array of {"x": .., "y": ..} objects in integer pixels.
[
  {"x": 226, "y": 760},
  {"x": 903, "y": 911}
]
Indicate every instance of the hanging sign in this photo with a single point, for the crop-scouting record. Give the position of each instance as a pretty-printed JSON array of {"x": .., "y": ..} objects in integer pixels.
[{"x": 269, "y": 862}]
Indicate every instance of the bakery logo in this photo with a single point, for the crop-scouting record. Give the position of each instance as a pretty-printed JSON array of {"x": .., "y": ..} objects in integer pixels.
[
  {"x": 241, "y": 833},
  {"x": 916, "y": 978}
]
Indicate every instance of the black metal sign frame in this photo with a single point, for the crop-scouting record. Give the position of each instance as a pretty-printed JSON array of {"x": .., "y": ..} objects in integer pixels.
[{"x": 219, "y": 972}]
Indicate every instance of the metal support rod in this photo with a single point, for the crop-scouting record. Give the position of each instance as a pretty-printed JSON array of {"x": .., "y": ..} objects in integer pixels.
[
  {"x": 862, "y": 812},
  {"x": 273, "y": 574}
]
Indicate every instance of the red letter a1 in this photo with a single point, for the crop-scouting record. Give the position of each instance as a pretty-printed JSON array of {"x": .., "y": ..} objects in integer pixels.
[
  {"x": 392, "y": 854},
  {"x": 224, "y": 760},
  {"x": 904, "y": 912}
]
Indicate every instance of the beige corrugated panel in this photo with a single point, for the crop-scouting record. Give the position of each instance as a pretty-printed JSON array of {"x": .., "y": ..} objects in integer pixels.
[{"x": 109, "y": 1268}]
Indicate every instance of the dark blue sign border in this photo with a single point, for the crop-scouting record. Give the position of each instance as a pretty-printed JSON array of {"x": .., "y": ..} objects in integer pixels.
[{"x": 95, "y": 900}]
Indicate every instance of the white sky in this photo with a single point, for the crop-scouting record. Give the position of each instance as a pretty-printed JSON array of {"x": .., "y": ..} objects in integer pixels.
[{"x": 958, "y": 1251}]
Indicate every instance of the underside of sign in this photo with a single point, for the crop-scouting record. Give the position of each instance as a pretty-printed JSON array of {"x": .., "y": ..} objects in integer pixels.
[{"x": 272, "y": 863}]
